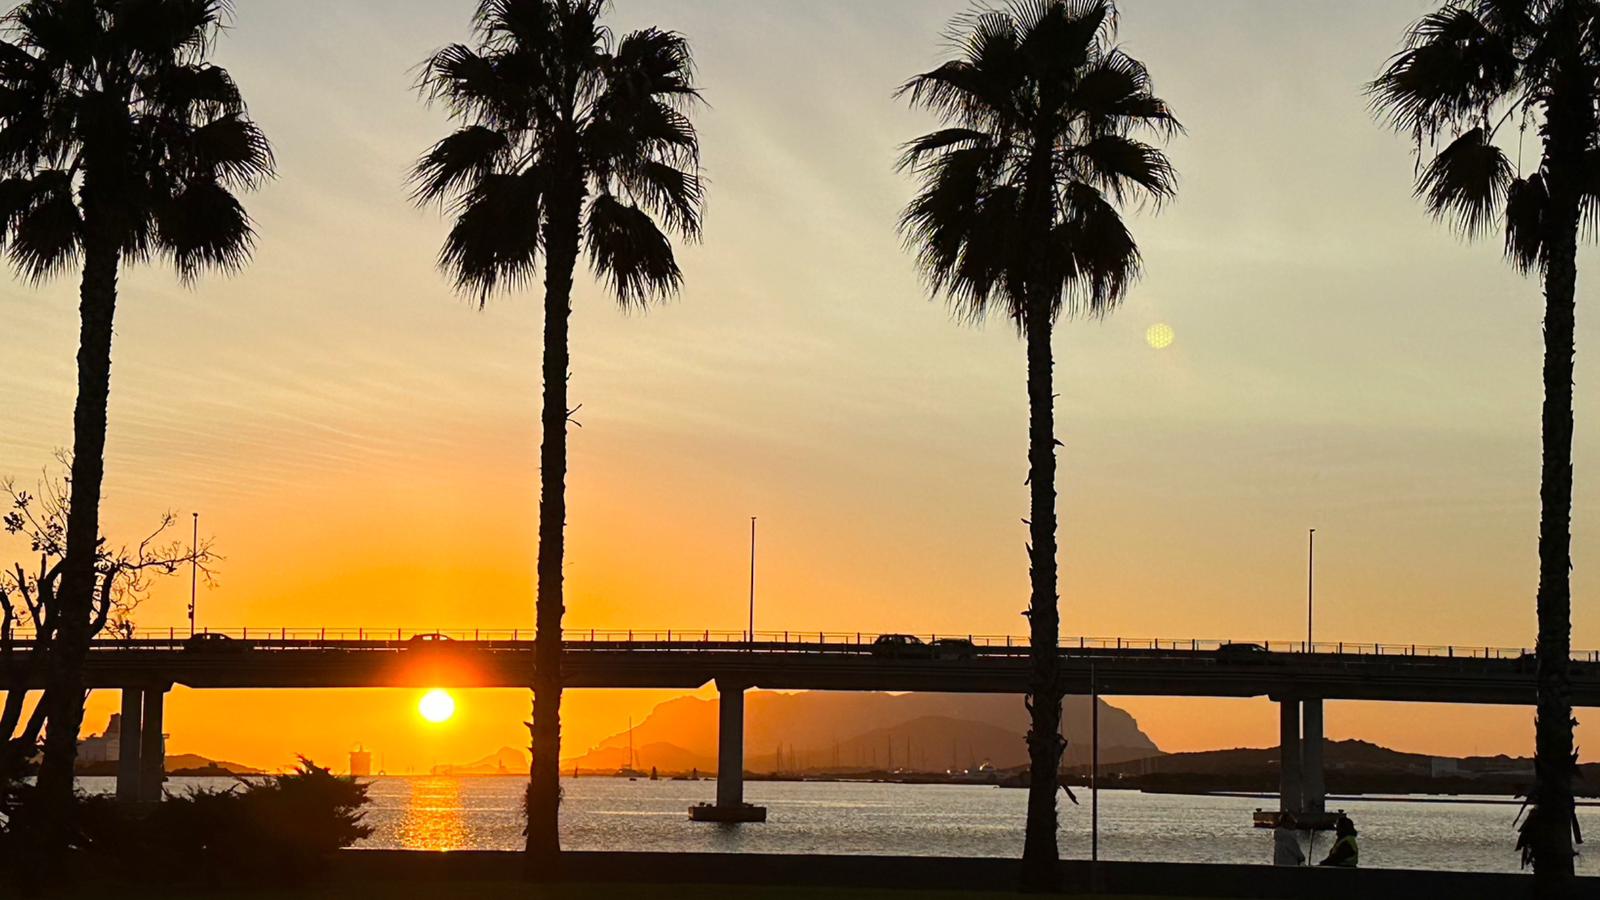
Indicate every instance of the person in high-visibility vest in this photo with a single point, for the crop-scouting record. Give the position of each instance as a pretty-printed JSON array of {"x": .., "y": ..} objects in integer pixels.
[{"x": 1345, "y": 853}]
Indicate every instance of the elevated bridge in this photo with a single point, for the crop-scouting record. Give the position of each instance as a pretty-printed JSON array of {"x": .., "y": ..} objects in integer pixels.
[{"x": 1298, "y": 676}]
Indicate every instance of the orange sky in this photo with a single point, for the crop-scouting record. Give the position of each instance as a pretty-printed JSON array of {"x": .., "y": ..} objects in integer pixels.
[{"x": 361, "y": 443}]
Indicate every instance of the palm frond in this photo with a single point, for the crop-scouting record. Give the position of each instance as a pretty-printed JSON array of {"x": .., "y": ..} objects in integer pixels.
[
  {"x": 1454, "y": 66},
  {"x": 192, "y": 91},
  {"x": 495, "y": 241},
  {"x": 1061, "y": 36},
  {"x": 936, "y": 142},
  {"x": 204, "y": 226},
  {"x": 629, "y": 252},
  {"x": 1018, "y": 193},
  {"x": 1095, "y": 258},
  {"x": 967, "y": 232},
  {"x": 232, "y": 150},
  {"x": 1114, "y": 96},
  {"x": 963, "y": 94},
  {"x": 44, "y": 229},
  {"x": 1589, "y": 193},
  {"x": 1129, "y": 170},
  {"x": 118, "y": 95},
  {"x": 468, "y": 155},
  {"x": 473, "y": 86},
  {"x": 1527, "y": 205},
  {"x": 67, "y": 31},
  {"x": 655, "y": 64},
  {"x": 1466, "y": 183},
  {"x": 531, "y": 24},
  {"x": 673, "y": 194},
  {"x": 167, "y": 30}
]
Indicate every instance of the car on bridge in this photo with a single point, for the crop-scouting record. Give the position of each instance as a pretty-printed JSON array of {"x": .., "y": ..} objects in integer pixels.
[
  {"x": 953, "y": 648},
  {"x": 901, "y": 646},
  {"x": 909, "y": 646},
  {"x": 1241, "y": 653},
  {"x": 427, "y": 639},
  {"x": 210, "y": 641}
]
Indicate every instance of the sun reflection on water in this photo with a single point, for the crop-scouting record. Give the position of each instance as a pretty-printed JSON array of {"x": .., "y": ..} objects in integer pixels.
[{"x": 432, "y": 818}]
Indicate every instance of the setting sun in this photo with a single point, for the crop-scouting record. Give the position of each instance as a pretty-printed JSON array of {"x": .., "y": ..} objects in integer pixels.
[{"x": 437, "y": 706}]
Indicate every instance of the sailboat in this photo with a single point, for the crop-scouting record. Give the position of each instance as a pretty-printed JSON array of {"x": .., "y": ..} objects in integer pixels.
[{"x": 628, "y": 771}]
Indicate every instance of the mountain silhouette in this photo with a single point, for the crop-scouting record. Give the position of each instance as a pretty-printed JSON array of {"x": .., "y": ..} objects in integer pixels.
[{"x": 822, "y": 730}]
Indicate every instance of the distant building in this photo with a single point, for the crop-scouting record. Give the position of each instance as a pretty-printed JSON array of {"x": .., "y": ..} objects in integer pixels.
[
  {"x": 1444, "y": 767},
  {"x": 107, "y": 747},
  {"x": 361, "y": 762}
]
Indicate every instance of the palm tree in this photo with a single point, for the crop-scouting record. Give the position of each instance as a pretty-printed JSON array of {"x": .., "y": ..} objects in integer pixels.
[
  {"x": 119, "y": 142},
  {"x": 566, "y": 135},
  {"x": 1464, "y": 74},
  {"x": 1018, "y": 211}
]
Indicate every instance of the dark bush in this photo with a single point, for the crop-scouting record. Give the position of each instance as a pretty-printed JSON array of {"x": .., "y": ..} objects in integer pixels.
[{"x": 275, "y": 830}]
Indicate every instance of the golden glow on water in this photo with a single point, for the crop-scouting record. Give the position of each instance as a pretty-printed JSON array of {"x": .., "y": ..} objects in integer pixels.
[
  {"x": 437, "y": 706},
  {"x": 432, "y": 818}
]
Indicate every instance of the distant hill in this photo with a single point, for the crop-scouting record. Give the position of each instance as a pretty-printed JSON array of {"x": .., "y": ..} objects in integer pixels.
[
  {"x": 505, "y": 761},
  {"x": 1350, "y": 767},
  {"x": 194, "y": 764},
  {"x": 818, "y": 730},
  {"x": 1349, "y": 755},
  {"x": 176, "y": 764}
]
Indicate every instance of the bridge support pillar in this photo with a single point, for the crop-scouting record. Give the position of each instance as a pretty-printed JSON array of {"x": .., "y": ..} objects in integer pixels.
[
  {"x": 152, "y": 746},
  {"x": 730, "y": 745},
  {"x": 1291, "y": 781},
  {"x": 730, "y": 805},
  {"x": 1315, "y": 797},
  {"x": 128, "y": 741}
]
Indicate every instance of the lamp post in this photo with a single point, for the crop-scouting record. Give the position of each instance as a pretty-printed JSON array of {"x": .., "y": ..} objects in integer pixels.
[
  {"x": 1311, "y": 580},
  {"x": 1094, "y": 765},
  {"x": 194, "y": 569},
  {"x": 750, "y": 635}
]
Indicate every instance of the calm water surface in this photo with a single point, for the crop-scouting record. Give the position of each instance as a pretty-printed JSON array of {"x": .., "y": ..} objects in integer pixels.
[{"x": 917, "y": 820}]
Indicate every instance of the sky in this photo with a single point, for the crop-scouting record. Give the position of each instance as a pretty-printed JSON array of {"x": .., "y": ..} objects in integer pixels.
[{"x": 361, "y": 442}]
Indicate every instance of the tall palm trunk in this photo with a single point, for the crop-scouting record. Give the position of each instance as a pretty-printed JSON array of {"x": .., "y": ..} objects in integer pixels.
[
  {"x": 1550, "y": 838},
  {"x": 65, "y": 693},
  {"x": 544, "y": 789},
  {"x": 1039, "y": 852},
  {"x": 96, "y": 308}
]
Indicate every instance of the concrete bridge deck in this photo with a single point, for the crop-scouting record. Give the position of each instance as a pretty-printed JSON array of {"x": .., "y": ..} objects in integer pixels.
[
  {"x": 821, "y": 661},
  {"x": 1298, "y": 677}
]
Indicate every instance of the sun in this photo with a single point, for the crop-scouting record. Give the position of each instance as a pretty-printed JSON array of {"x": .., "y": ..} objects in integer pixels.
[
  {"x": 437, "y": 706},
  {"x": 1159, "y": 336}
]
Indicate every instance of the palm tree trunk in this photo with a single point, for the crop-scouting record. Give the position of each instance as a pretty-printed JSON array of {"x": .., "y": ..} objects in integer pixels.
[
  {"x": 1039, "y": 852},
  {"x": 74, "y": 597},
  {"x": 544, "y": 788},
  {"x": 1549, "y": 829}
]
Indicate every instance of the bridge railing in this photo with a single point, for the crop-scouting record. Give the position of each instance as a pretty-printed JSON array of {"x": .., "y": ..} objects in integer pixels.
[{"x": 781, "y": 641}]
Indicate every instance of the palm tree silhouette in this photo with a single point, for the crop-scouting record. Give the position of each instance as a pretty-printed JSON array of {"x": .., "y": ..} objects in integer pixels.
[
  {"x": 119, "y": 143},
  {"x": 565, "y": 135},
  {"x": 1018, "y": 211},
  {"x": 1465, "y": 73}
]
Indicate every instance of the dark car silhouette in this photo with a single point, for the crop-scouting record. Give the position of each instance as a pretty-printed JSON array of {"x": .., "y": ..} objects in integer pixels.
[
  {"x": 953, "y": 648},
  {"x": 1241, "y": 653},
  {"x": 210, "y": 641},
  {"x": 900, "y": 645},
  {"x": 426, "y": 639}
]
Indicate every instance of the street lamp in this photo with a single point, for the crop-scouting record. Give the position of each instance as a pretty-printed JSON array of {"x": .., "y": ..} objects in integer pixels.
[
  {"x": 1311, "y": 580},
  {"x": 194, "y": 569},
  {"x": 750, "y": 636}
]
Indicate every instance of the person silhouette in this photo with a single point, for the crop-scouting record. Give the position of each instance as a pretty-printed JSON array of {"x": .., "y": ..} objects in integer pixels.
[{"x": 1345, "y": 853}]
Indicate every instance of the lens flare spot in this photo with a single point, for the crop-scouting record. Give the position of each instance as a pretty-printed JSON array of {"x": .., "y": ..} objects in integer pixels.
[
  {"x": 437, "y": 706},
  {"x": 1159, "y": 336}
]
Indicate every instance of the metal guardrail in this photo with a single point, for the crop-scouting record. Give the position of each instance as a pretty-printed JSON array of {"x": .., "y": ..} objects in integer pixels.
[{"x": 782, "y": 641}]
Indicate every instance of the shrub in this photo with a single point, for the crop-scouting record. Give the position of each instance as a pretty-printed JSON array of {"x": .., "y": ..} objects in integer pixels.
[{"x": 275, "y": 830}]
